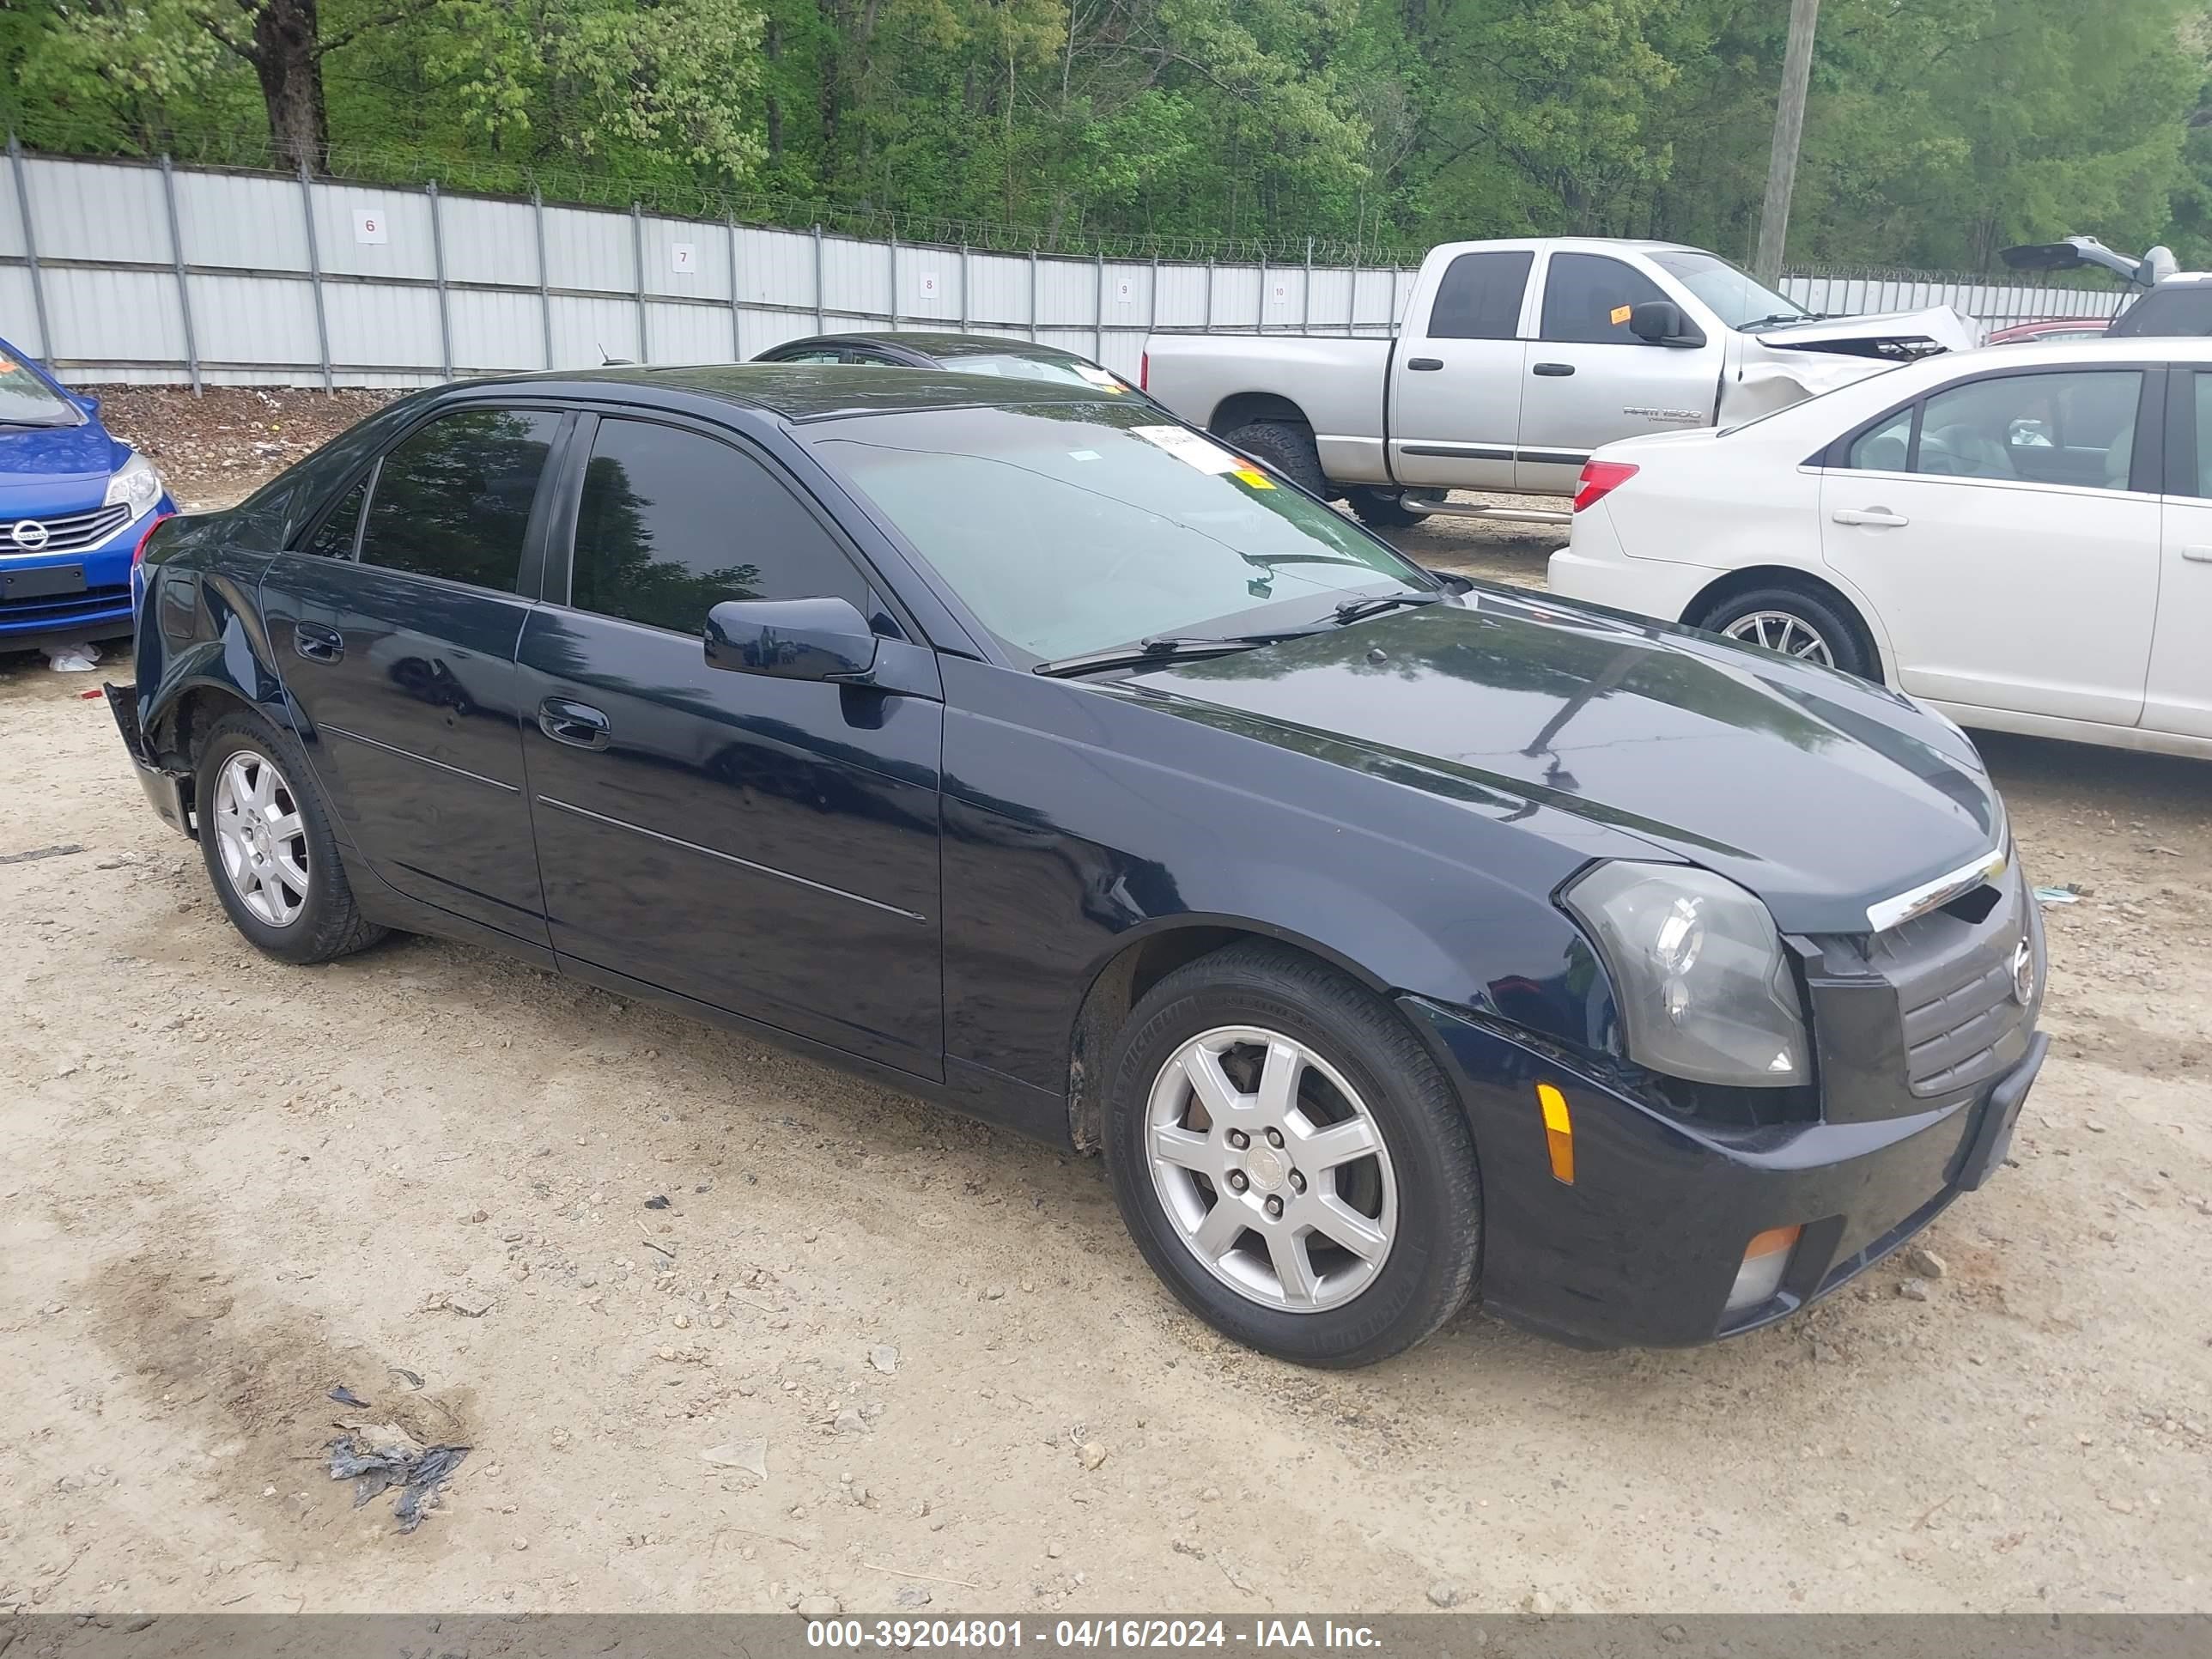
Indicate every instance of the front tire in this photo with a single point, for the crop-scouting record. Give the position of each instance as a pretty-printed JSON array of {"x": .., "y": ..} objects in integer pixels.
[
  {"x": 1797, "y": 621},
  {"x": 1290, "y": 1160},
  {"x": 267, "y": 842}
]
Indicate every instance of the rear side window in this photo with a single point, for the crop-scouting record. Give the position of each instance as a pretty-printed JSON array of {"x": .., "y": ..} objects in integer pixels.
[
  {"x": 454, "y": 499},
  {"x": 2167, "y": 313},
  {"x": 333, "y": 537},
  {"x": 1588, "y": 297},
  {"x": 1889, "y": 448},
  {"x": 1479, "y": 297},
  {"x": 671, "y": 523}
]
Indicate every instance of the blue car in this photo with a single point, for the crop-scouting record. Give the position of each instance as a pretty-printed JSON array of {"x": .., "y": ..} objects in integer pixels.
[{"x": 75, "y": 504}]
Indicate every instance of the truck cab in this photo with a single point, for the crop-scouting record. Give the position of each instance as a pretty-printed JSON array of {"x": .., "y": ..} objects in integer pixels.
[{"x": 1516, "y": 359}]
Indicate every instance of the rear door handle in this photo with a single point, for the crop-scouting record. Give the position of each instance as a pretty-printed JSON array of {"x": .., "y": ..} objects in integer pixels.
[
  {"x": 577, "y": 724},
  {"x": 1880, "y": 517},
  {"x": 2197, "y": 553},
  {"x": 1553, "y": 371},
  {"x": 1424, "y": 363},
  {"x": 316, "y": 643}
]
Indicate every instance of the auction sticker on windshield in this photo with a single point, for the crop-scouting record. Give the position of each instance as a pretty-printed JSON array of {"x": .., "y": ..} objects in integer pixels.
[{"x": 1193, "y": 451}]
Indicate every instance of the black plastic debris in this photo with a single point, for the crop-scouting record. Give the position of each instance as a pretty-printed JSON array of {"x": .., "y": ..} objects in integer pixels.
[
  {"x": 658, "y": 1201},
  {"x": 376, "y": 1462},
  {"x": 346, "y": 1396}
]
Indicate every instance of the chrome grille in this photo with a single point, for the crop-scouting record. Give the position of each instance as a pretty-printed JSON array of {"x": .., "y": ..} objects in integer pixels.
[
  {"x": 1953, "y": 978},
  {"x": 66, "y": 532}
]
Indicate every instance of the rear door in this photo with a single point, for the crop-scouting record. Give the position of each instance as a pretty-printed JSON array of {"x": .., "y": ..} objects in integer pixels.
[
  {"x": 766, "y": 846},
  {"x": 1454, "y": 402},
  {"x": 2178, "y": 696},
  {"x": 2006, "y": 530},
  {"x": 394, "y": 618},
  {"x": 1591, "y": 381}
]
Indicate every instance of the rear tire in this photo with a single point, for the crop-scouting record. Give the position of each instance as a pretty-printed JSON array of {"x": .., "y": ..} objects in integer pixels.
[
  {"x": 1798, "y": 620},
  {"x": 1346, "y": 1224},
  {"x": 1289, "y": 449},
  {"x": 267, "y": 842},
  {"x": 1385, "y": 509}
]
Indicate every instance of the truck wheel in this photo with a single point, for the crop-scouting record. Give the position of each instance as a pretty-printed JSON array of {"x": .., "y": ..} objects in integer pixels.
[
  {"x": 1290, "y": 1160},
  {"x": 1289, "y": 449},
  {"x": 1797, "y": 621},
  {"x": 1384, "y": 509}
]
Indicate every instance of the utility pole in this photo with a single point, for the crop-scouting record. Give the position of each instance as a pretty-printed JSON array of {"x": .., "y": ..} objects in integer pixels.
[{"x": 1789, "y": 128}]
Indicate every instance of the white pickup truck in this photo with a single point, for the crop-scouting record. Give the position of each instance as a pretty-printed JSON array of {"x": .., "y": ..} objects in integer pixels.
[{"x": 1515, "y": 360}]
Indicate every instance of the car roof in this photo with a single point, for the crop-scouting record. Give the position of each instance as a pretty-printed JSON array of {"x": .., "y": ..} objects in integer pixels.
[
  {"x": 2182, "y": 279},
  {"x": 815, "y": 392},
  {"x": 2152, "y": 347},
  {"x": 940, "y": 345}
]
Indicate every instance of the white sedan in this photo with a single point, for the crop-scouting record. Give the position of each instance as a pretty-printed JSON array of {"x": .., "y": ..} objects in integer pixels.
[{"x": 2022, "y": 537}]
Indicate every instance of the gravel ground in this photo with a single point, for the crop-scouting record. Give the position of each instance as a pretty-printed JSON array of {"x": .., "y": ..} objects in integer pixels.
[{"x": 429, "y": 1174}]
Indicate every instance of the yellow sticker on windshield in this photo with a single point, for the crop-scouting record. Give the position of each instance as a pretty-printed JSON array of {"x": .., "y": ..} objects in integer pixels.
[
  {"x": 1619, "y": 315},
  {"x": 1258, "y": 480}
]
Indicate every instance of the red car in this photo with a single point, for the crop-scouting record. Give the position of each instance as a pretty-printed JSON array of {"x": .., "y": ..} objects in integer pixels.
[{"x": 2048, "y": 328}]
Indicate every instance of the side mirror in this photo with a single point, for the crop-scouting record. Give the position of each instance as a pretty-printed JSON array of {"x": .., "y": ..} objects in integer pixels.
[
  {"x": 86, "y": 401},
  {"x": 823, "y": 639},
  {"x": 1660, "y": 322}
]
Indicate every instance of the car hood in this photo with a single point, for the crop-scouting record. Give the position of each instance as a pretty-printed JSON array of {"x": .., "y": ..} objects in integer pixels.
[
  {"x": 51, "y": 469},
  {"x": 1822, "y": 794},
  {"x": 1888, "y": 334}
]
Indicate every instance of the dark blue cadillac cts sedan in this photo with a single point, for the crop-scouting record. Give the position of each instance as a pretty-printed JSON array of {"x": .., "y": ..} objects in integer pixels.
[{"x": 1397, "y": 942}]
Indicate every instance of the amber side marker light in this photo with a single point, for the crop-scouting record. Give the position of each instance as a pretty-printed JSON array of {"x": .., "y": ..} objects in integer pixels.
[
  {"x": 1558, "y": 1133},
  {"x": 1763, "y": 1260}
]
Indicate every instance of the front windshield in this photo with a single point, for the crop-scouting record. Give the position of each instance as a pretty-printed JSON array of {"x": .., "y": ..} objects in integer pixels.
[
  {"x": 1738, "y": 299},
  {"x": 26, "y": 400},
  {"x": 1056, "y": 371},
  {"x": 1068, "y": 528}
]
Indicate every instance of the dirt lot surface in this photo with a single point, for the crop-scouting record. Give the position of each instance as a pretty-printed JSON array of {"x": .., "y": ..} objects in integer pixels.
[{"x": 431, "y": 1176}]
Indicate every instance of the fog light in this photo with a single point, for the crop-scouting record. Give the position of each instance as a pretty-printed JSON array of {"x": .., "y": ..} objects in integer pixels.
[{"x": 1761, "y": 1276}]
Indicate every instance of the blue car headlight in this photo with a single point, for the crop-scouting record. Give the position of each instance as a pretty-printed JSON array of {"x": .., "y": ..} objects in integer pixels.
[{"x": 135, "y": 485}]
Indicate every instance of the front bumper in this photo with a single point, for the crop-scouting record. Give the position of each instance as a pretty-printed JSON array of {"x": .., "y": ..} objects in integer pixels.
[
  {"x": 1643, "y": 1250},
  {"x": 165, "y": 791},
  {"x": 85, "y": 593}
]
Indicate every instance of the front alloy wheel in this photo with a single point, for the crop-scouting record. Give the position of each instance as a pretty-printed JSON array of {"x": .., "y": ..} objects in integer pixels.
[
  {"x": 1290, "y": 1158},
  {"x": 1270, "y": 1168}
]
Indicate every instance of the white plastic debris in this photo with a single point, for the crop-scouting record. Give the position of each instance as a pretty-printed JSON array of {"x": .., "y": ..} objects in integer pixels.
[{"x": 76, "y": 659}]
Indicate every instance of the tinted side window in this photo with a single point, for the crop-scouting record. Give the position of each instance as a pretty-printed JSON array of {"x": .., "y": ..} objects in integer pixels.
[
  {"x": 454, "y": 499},
  {"x": 1480, "y": 298},
  {"x": 333, "y": 537},
  {"x": 2169, "y": 313},
  {"x": 1885, "y": 449},
  {"x": 1587, "y": 298},
  {"x": 672, "y": 523}
]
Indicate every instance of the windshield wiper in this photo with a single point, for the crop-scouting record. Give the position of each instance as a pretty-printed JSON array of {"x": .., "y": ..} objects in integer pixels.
[
  {"x": 1353, "y": 610},
  {"x": 1165, "y": 647},
  {"x": 1758, "y": 323}
]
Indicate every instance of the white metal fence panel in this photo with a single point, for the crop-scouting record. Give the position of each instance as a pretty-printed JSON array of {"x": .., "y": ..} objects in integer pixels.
[{"x": 131, "y": 271}]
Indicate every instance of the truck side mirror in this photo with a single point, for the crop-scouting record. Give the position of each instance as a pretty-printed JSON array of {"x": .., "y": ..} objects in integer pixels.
[{"x": 1660, "y": 322}]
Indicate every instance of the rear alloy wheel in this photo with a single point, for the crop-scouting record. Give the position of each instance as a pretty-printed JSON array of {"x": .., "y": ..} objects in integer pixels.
[
  {"x": 269, "y": 848},
  {"x": 1290, "y": 1160},
  {"x": 1794, "y": 622}
]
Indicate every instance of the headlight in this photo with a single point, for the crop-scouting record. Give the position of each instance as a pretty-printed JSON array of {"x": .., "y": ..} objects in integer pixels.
[
  {"x": 1698, "y": 972},
  {"x": 135, "y": 485}
]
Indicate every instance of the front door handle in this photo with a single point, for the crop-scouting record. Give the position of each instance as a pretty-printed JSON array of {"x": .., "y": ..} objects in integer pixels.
[
  {"x": 316, "y": 643},
  {"x": 2197, "y": 553},
  {"x": 1553, "y": 371},
  {"x": 1424, "y": 363},
  {"x": 1880, "y": 517},
  {"x": 577, "y": 724}
]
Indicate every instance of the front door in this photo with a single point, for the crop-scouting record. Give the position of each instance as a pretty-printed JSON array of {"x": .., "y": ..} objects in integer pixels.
[
  {"x": 2178, "y": 696},
  {"x": 1454, "y": 404},
  {"x": 394, "y": 619},
  {"x": 1591, "y": 381},
  {"x": 766, "y": 846},
  {"x": 2007, "y": 533}
]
